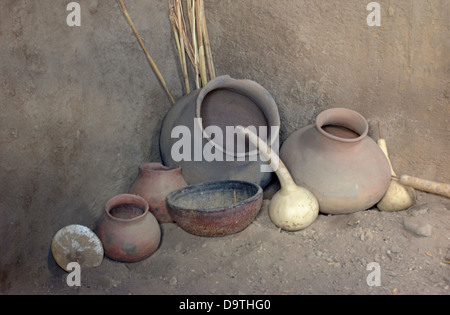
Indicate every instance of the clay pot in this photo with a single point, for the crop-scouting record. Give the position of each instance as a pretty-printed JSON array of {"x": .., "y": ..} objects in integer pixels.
[
  {"x": 335, "y": 159},
  {"x": 127, "y": 230},
  {"x": 154, "y": 182},
  {"x": 222, "y": 102},
  {"x": 215, "y": 208}
]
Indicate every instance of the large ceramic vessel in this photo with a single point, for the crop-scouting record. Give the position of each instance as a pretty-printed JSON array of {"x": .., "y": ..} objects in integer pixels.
[
  {"x": 154, "y": 182},
  {"x": 127, "y": 230},
  {"x": 337, "y": 161},
  {"x": 194, "y": 119}
]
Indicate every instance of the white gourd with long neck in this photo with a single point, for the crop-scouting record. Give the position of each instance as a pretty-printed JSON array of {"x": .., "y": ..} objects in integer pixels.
[{"x": 293, "y": 207}]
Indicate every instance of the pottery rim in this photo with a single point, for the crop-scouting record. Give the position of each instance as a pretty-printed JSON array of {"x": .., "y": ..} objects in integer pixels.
[
  {"x": 158, "y": 167},
  {"x": 342, "y": 117},
  {"x": 235, "y": 85},
  {"x": 185, "y": 190},
  {"x": 123, "y": 199}
]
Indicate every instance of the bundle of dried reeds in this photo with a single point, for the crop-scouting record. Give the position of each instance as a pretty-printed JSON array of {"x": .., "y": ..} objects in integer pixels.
[{"x": 192, "y": 40}]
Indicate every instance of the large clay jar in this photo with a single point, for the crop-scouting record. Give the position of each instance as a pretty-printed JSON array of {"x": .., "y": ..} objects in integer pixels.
[
  {"x": 154, "y": 182},
  {"x": 127, "y": 230},
  {"x": 336, "y": 160},
  {"x": 223, "y": 102}
]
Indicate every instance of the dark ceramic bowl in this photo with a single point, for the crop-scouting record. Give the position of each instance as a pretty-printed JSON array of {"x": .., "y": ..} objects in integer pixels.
[{"x": 217, "y": 208}]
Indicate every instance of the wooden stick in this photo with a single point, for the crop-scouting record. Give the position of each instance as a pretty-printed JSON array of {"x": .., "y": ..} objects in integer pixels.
[
  {"x": 209, "y": 59},
  {"x": 183, "y": 54},
  {"x": 187, "y": 41},
  {"x": 149, "y": 58},
  {"x": 172, "y": 18},
  {"x": 426, "y": 185},
  {"x": 178, "y": 33},
  {"x": 201, "y": 48},
  {"x": 192, "y": 22},
  {"x": 181, "y": 31}
]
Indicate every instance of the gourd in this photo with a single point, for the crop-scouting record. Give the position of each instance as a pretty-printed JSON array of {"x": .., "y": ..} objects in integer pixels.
[
  {"x": 397, "y": 197},
  {"x": 292, "y": 208},
  {"x": 401, "y": 194}
]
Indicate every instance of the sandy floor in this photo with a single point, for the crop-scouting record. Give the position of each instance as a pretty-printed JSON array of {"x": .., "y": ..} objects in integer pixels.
[{"x": 332, "y": 256}]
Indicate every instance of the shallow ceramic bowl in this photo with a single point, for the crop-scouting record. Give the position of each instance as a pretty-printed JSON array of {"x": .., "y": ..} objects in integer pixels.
[{"x": 216, "y": 208}]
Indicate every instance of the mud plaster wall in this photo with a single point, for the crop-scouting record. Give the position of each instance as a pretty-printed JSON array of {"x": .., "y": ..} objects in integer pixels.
[{"x": 81, "y": 108}]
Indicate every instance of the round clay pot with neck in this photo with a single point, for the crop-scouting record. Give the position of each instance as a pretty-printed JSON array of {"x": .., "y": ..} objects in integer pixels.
[
  {"x": 127, "y": 230},
  {"x": 154, "y": 182},
  {"x": 338, "y": 162}
]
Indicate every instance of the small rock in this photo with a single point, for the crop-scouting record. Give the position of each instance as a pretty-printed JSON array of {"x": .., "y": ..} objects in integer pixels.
[
  {"x": 447, "y": 255},
  {"x": 419, "y": 212},
  {"x": 417, "y": 226},
  {"x": 366, "y": 234},
  {"x": 173, "y": 281},
  {"x": 178, "y": 247},
  {"x": 311, "y": 255},
  {"x": 93, "y": 6}
]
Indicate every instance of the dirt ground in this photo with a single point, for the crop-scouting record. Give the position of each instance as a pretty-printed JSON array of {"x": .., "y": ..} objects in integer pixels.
[{"x": 330, "y": 257}]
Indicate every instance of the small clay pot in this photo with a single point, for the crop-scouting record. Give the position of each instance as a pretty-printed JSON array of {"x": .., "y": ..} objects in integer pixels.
[
  {"x": 335, "y": 159},
  {"x": 127, "y": 230},
  {"x": 154, "y": 182}
]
